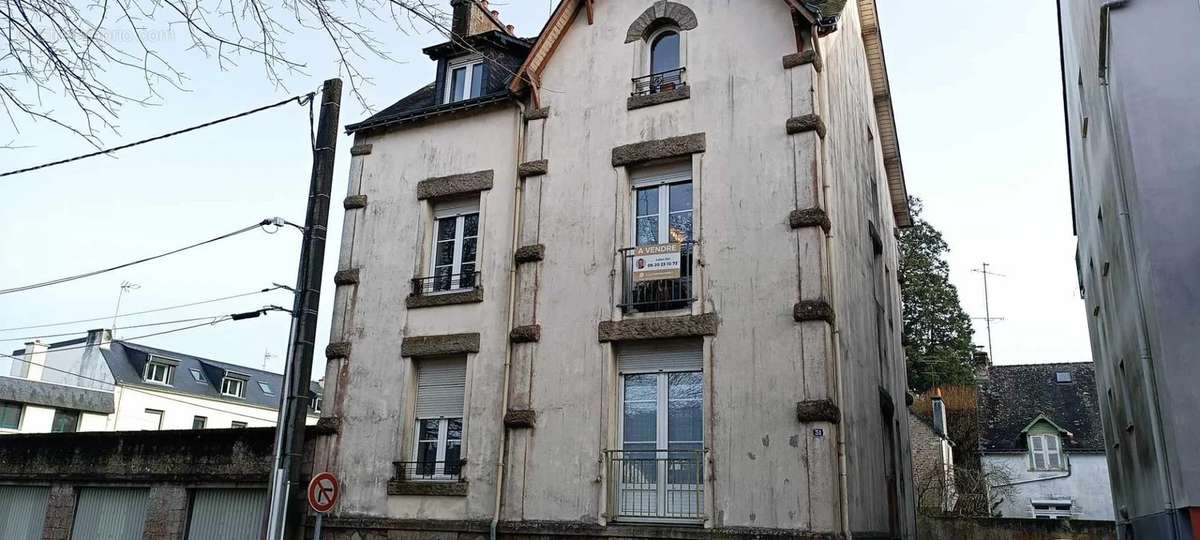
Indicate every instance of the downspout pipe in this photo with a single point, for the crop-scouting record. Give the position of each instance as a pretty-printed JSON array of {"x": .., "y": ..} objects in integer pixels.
[
  {"x": 1145, "y": 354},
  {"x": 518, "y": 194}
]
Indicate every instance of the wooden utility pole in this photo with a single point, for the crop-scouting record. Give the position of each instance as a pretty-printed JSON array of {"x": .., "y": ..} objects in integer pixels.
[{"x": 286, "y": 512}]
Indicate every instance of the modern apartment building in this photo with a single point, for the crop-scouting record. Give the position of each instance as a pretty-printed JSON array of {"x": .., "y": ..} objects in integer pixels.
[
  {"x": 1133, "y": 115},
  {"x": 101, "y": 384},
  {"x": 633, "y": 277}
]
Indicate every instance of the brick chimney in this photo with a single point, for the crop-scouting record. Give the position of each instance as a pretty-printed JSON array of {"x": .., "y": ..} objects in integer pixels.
[
  {"x": 939, "y": 412},
  {"x": 35, "y": 360},
  {"x": 471, "y": 17}
]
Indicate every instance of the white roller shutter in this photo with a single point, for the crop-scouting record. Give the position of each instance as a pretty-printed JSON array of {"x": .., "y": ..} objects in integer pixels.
[
  {"x": 653, "y": 356},
  {"x": 441, "y": 384}
]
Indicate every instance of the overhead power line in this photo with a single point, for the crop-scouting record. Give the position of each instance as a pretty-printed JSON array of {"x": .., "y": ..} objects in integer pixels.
[
  {"x": 263, "y": 223},
  {"x": 135, "y": 313},
  {"x": 301, "y": 99},
  {"x": 213, "y": 322},
  {"x": 144, "y": 325}
]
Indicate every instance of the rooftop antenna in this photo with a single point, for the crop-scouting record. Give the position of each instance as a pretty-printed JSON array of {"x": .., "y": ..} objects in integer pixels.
[
  {"x": 987, "y": 312},
  {"x": 266, "y": 356},
  {"x": 126, "y": 286}
]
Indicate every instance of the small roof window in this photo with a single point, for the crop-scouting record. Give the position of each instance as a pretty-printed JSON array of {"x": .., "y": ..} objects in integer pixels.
[
  {"x": 196, "y": 374},
  {"x": 266, "y": 388},
  {"x": 1062, "y": 377}
]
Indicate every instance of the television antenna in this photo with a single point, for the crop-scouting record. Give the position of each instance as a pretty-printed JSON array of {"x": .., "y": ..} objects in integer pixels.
[{"x": 987, "y": 312}]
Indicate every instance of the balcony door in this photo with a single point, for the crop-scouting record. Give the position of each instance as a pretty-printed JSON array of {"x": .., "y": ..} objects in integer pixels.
[
  {"x": 662, "y": 214},
  {"x": 658, "y": 472}
]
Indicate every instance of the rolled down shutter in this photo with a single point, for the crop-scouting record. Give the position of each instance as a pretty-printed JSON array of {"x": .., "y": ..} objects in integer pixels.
[
  {"x": 227, "y": 514},
  {"x": 23, "y": 511},
  {"x": 111, "y": 513},
  {"x": 653, "y": 356},
  {"x": 440, "y": 387}
]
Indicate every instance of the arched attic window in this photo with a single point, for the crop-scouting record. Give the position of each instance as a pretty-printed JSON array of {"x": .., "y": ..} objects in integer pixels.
[{"x": 660, "y": 30}]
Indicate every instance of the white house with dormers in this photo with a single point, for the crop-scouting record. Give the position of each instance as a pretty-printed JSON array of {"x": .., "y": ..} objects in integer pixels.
[
  {"x": 100, "y": 384},
  {"x": 1040, "y": 435}
]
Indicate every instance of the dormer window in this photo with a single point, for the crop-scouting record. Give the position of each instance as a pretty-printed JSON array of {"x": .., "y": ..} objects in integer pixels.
[
  {"x": 233, "y": 387},
  {"x": 159, "y": 371},
  {"x": 464, "y": 80},
  {"x": 1045, "y": 452}
]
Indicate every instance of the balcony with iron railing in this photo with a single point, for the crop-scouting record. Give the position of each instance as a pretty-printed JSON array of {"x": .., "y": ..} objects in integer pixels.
[
  {"x": 646, "y": 289},
  {"x": 654, "y": 83},
  {"x": 427, "y": 478},
  {"x": 662, "y": 486},
  {"x": 444, "y": 283}
]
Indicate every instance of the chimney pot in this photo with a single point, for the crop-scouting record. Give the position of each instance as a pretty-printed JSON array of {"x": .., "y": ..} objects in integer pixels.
[
  {"x": 511, "y": 28},
  {"x": 35, "y": 361},
  {"x": 496, "y": 14}
]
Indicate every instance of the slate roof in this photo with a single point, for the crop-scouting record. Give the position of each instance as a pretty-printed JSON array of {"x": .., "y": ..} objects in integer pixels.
[
  {"x": 127, "y": 361},
  {"x": 1013, "y": 396}
]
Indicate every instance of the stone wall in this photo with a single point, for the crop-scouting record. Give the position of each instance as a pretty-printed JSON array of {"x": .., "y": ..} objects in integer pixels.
[{"x": 939, "y": 528}]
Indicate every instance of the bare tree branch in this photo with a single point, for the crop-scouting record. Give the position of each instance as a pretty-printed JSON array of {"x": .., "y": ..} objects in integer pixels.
[{"x": 80, "y": 52}]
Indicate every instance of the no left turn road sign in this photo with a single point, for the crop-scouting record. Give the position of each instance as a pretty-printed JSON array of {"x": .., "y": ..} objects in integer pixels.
[{"x": 323, "y": 492}]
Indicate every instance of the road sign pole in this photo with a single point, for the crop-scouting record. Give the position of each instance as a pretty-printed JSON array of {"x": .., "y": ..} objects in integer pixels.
[{"x": 317, "y": 529}]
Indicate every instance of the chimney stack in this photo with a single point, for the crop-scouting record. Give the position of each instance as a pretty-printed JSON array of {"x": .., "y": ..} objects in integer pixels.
[
  {"x": 939, "y": 413},
  {"x": 35, "y": 361},
  {"x": 99, "y": 337},
  {"x": 470, "y": 17}
]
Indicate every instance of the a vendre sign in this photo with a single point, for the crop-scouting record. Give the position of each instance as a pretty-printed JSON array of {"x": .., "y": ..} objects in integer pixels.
[{"x": 659, "y": 261}]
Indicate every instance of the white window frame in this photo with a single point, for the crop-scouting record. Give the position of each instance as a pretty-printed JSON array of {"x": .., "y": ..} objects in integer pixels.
[
  {"x": 439, "y": 471},
  {"x": 203, "y": 421},
  {"x": 20, "y": 417},
  {"x": 1042, "y": 448},
  {"x": 648, "y": 53},
  {"x": 468, "y": 65},
  {"x": 240, "y": 384},
  {"x": 460, "y": 216},
  {"x": 316, "y": 404},
  {"x": 663, "y": 183},
  {"x": 160, "y": 414},
  {"x": 168, "y": 372},
  {"x": 238, "y": 424},
  {"x": 1046, "y": 513}
]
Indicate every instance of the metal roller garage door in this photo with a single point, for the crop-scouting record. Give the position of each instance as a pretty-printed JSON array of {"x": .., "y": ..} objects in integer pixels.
[
  {"x": 110, "y": 514},
  {"x": 227, "y": 514},
  {"x": 23, "y": 511}
]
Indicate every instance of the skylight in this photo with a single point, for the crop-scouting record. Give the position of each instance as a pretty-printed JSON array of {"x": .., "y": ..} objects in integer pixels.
[
  {"x": 196, "y": 374},
  {"x": 1062, "y": 377},
  {"x": 266, "y": 388}
]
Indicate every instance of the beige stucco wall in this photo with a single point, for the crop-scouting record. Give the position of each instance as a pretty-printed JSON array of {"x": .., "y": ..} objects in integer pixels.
[{"x": 766, "y": 469}]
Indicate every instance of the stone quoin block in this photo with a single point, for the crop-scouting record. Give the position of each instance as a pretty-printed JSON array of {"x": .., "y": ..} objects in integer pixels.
[
  {"x": 684, "y": 145},
  {"x": 326, "y": 425},
  {"x": 415, "y": 301},
  {"x": 812, "y": 310},
  {"x": 809, "y": 56},
  {"x": 348, "y": 276},
  {"x": 455, "y": 184},
  {"x": 806, "y": 123},
  {"x": 528, "y": 254},
  {"x": 659, "y": 327},
  {"x": 533, "y": 168},
  {"x": 818, "y": 410},
  {"x": 352, "y": 202},
  {"x": 441, "y": 344},
  {"x": 340, "y": 349},
  {"x": 681, "y": 15},
  {"x": 360, "y": 149},
  {"x": 537, "y": 114},
  {"x": 525, "y": 334},
  {"x": 683, "y": 91},
  {"x": 809, "y": 217},
  {"x": 520, "y": 418}
]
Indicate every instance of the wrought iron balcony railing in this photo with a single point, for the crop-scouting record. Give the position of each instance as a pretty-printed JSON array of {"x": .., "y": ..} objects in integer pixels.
[
  {"x": 654, "y": 83},
  {"x": 440, "y": 283},
  {"x": 424, "y": 471},
  {"x": 655, "y": 485},
  {"x": 640, "y": 294}
]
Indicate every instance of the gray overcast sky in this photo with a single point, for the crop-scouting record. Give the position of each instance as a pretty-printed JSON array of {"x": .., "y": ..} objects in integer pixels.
[{"x": 977, "y": 95}]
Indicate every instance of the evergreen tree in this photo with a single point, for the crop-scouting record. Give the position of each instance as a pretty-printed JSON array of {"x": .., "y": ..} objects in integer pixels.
[{"x": 937, "y": 332}]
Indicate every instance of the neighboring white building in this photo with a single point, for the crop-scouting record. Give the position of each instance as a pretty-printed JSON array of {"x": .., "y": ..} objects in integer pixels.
[
  {"x": 1040, "y": 436},
  {"x": 99, "y": 384}
]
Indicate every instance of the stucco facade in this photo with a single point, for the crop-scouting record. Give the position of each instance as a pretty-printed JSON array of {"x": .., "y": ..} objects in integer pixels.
[
  {"x": 1084, "y": 483},
  {"x": 791, "y": 308},
  {"x": 1132, "y": 115}
]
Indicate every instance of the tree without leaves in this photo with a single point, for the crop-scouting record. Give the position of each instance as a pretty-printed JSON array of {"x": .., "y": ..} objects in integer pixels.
[
  {"x": 76, "y": 51},
  {"x": 937, "y": 332}
]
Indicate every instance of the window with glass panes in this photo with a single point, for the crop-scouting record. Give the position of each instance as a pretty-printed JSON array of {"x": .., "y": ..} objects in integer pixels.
[
  {"x": 159, "y": 372},
  {"x": 662, "y": 427},
  {"x": 233, "y": 387},
  {"x": 10, "y": 415},
  {"x": 455, "y": 246},
  {"x": 441, "y": 384},
  {"x": 663, "y": 210},
  {"x": 464, "y": 80},
  {"x": 65, "y": 421}
]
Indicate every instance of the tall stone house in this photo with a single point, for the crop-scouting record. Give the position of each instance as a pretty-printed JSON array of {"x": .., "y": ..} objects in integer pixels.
[
  {"x": 635, "y": 276},
  {"x": 1132, "y": 119}
]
